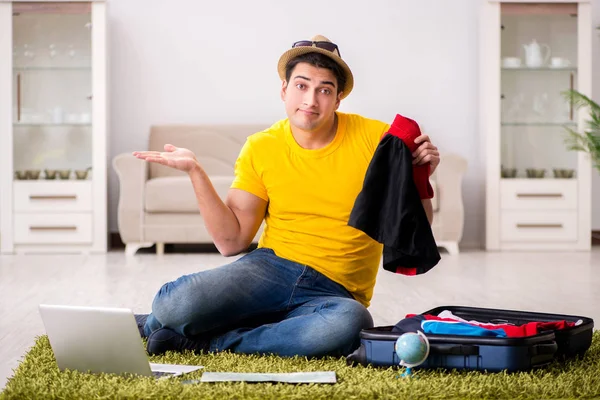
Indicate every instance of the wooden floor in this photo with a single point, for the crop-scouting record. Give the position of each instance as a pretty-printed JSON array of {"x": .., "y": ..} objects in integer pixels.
[{"x": 567, "y": 283}]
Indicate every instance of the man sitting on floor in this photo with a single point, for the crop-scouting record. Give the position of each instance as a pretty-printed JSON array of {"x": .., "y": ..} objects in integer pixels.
[{"x": 305, "y": 289}]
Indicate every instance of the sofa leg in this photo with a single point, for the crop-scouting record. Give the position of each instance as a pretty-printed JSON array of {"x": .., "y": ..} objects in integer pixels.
[
  {"x": 132, "y": 248},
  {"x": 451, "y": 247},
  {"x": 160, "y": 249}
]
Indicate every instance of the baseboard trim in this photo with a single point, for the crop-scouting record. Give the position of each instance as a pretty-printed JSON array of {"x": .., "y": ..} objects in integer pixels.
[
  {"x": 117, "y": 244},
  {"x": 477, "y": 245}
]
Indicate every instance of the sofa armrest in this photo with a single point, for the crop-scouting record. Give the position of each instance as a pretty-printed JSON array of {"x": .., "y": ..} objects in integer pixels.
[
  {"x": 133, "y": 174},
  {"x": 451, "y": 213}
]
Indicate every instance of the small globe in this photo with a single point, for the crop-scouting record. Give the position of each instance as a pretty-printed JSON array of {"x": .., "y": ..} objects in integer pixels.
[{"x": 412, "y": 348}]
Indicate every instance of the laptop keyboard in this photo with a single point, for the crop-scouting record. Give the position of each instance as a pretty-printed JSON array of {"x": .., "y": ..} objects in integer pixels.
[{"x": 158, "y": 374}]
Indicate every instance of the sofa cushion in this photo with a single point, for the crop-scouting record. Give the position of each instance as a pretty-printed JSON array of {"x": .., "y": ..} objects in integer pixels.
[
  {"x": 175, "y": 194},
  {"x": 215, "y": 146}
]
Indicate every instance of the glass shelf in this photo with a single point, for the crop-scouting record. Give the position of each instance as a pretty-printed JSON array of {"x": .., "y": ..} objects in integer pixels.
[
  {"x": 552, "y": 124},
  {"x": 45, "y": 180},
  {"x": 545, "y": 179},
  {"x": 49, "y": 124},
  {"x": 51, "y": 68},
  {"x": 552, "y": 69}
]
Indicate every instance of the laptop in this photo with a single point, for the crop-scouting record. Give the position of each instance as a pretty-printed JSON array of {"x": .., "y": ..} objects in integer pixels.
[{"x": 98, "y": 339}]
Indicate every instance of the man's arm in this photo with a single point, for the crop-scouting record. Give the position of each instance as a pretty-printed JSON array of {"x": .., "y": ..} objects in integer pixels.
[
  {"x": 232, "y": 224},
  {"x": 428, "y": 206},
  {"x": 426, "y": 153}
]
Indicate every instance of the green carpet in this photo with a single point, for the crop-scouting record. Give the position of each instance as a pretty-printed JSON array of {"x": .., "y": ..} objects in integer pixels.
[{"x": 38, "y": 377}]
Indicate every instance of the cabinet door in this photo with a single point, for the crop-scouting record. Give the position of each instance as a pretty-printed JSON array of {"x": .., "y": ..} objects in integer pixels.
[
  {"x": 538, "y": 64},
  {"x": 52, "y": 91}
]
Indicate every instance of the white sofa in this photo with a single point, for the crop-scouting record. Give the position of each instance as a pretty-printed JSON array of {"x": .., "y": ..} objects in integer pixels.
[
  {"x": 448, "y": 208},
  {"x": 157, "y": 204}
]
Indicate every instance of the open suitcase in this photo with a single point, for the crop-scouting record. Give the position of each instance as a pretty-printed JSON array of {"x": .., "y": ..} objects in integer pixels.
[{"x": 483, "y": 353}]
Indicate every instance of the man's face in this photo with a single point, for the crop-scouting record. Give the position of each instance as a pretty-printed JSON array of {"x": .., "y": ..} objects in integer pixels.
[{"x": 310, "y": 97}]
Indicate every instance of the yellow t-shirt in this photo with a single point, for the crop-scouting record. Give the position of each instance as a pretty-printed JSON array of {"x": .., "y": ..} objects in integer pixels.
[{"x": 311, "y": 194}]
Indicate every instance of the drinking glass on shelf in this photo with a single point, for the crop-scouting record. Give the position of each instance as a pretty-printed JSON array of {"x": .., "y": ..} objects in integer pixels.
[
  {"x": 514, "y": 110},
  {"x": 28, "y": 53},
  {"x": 52, "y": 51},
  {"x": 71, "y": 51},
  {"x": 564, "y": 111},
  {"x": 540, "y": 105}
]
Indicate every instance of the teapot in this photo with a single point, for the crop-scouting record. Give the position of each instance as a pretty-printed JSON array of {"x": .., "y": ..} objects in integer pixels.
[{"x": 533, "y": 54}]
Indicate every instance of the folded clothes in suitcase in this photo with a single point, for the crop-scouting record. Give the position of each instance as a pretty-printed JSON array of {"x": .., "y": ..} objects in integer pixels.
[{"x": 530, "y": 339}]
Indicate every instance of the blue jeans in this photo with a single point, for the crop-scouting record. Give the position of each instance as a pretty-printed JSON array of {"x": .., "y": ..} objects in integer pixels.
[{"x": 263, "y": 304}]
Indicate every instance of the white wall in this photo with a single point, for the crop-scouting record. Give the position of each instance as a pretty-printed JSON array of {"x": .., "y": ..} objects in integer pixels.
[
  {"x": 596, "y": 97},
  {"x": 211, "y": 62}
]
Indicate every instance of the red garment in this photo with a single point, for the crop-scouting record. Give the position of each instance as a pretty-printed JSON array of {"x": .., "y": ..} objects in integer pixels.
[
  {"x": 406, "y": 271},
  {"x": 528, "y": 329},
  {"x": 408, "y": 130},
  {"x": 389, "y": 207}
]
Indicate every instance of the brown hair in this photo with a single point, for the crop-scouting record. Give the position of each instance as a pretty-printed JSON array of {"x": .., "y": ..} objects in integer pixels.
[{"x": 320, "y": 61}]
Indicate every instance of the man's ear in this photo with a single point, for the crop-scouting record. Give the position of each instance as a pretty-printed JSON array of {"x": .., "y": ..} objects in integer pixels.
[{"x": 283, "y": 89}]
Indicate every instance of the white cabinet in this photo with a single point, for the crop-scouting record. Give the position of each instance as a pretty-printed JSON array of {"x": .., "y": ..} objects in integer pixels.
[
  {"x": 538, "y": 193},
  {"x": 53, "y": 126}
]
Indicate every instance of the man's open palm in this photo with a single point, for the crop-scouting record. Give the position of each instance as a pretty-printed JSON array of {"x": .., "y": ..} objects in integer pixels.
[{"x": 174, "y": 157}]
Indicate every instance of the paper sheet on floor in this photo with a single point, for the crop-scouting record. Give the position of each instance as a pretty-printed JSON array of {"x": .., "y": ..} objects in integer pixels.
[
  {"x": 174, "y": 368},
  {"x": 292, "y": 377}
]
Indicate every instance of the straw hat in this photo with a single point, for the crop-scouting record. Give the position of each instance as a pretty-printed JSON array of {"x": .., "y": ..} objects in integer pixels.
[{"x": 334, "y": 55}]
